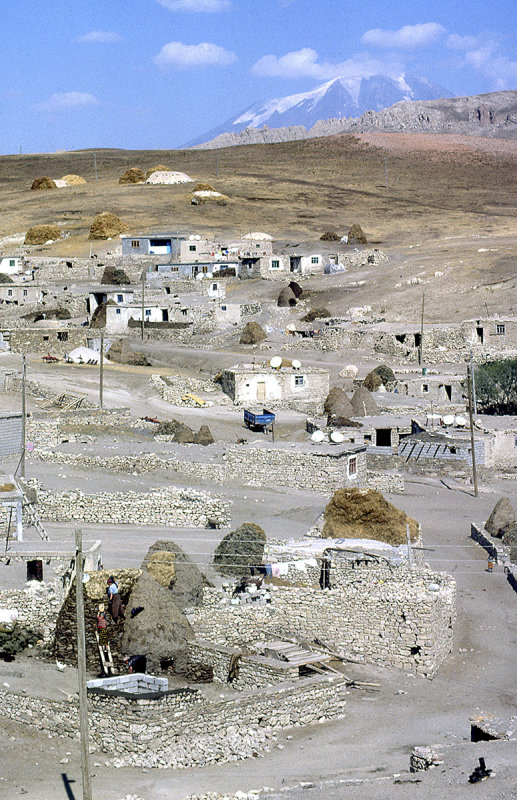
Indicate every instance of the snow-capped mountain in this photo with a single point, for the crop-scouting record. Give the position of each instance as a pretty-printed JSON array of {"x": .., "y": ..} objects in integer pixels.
[{"x": 337, "y": 98}]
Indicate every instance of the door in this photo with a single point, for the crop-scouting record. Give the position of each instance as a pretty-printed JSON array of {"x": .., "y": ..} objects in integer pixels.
[{"x": 261, "y": 392}]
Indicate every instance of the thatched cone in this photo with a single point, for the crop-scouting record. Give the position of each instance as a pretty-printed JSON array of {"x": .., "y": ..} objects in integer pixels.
[
  {"x": 73, "y": 180},
  {"x": 203, "y": 187},
  {"x": 39, "y": 234},
  {"x": 252, "y": 333},
  {"x": 158, "y": 168},
  {"x": 373, "y": 381},
  {"x": 204, "y": 436},
  {"x": 330, "y": 236},
  {"x": 161, "y": 567},
  {"x": 286, "y": 298},
  {"x": 132, "y": 175},
  {"x": 115, "y": 276},
  {"x": 106, "y": 225},
  {"x": 366, "y": 514},
  {"x": 337, "y": 403},
  {"x": 44, "y": 183},
  {"x": 363, "y": 403},
  {"x": 356, "y": 235},
  {"x": 241, "y": 549}
]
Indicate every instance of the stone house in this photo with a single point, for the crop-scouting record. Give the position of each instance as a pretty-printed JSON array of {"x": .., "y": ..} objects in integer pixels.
[
  {"x": 500, "y": 440},
  {"x": 19, "y": 295},
  {"x": 146, "y": 244},
  {"x": 10, "y": 265},
  {"x": 435, "y": 388},
  {"x": 302, "y": 388},
  {"x": 120, "y": 295}
]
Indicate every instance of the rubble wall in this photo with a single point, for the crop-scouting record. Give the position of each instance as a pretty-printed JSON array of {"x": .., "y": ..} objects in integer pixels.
[
  {"x": 38, "y": 605},
  {"x": 45, "y": 340}
]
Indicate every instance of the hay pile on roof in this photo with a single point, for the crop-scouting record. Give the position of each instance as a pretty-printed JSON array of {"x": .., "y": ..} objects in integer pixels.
[
  {"x": 44, "y": 183},
  {"x": 115, "y": 276},
  {"x": 187, "y": 586},
  {"x": 157, "y": 168},
  {"x": 502, "y": 514},
  {"x": 167, "y": 177},
  {"x": 316, "y": 313},
  {"x": 132, "y": 175},
  {"x": 337, "y": 404},
  {"x": 121, "y": 353},
  {"x": 252, "y": 333},
  {"x": 40, "y": 234},
  {"x": 73, "y": 180},
  {"x": 363, "y": 403},
  {"x": 366, "y": 514},
  {"x": 240, "y": 550},
  {"x": 356, "y": 235},
  {"x": 107, "y": 225},
  {"x": 286, "y": 298},
  {"x": 330, "y": 236},
  {"x": 373, "y": 381},
  {"x": 203, "y": 187}
]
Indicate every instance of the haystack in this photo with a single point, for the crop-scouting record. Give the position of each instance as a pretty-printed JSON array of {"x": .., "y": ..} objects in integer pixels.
[
  {"x": 114, "y": 276},
  {"x": 160, "y": 566},
  {"x": 356, "y": 235},
  {"x": 158, "y": 168},
  {"x": 106, "y": 226},
  {"x": 366, "y": 514},
  {"x": 98, "y": 319},
  {"x": 73, "y": 180},
  {"x": 40, "y": 234},
  {"x": 337, "y": 403},
  {"x": 241, "y": 549},
  {"x": 121, "y": 353},
  {"x": 178, "y": 430},
  {"x": 373, "y": 381},
  {"x": 186, "y": 585},
  {"x": 363, "y": 403},
  {"x": 132, "y": 175},
  {"x": 203, "y": 187},
  {"x": 330, "y": 236},
  {"x": 204, "y": 436},
  {"x": 316, "y": 313},
  {"x": 44, "y": 183},
  {"x": 502, "y": 514},
  {"x": 286, "y": 298},
  {"x": 5, "y": 278},
  {"x": 252, "y": 333},
  {"x": 386, "y": 373}
]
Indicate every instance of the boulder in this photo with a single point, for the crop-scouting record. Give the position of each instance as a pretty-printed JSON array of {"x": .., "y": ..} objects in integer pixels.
[
  {"x": 366, "y": 514},
  {"x": 356, "y": 235},
  {"x": 286, "y": 298},
  {"x": 501, "y": 515},
  {"x": 204, "y": 436},
  {"x": 363, "y": 403},
  {"x": 240, "y": 550},
  {"x": 185, "y": 579},
  {"x": 161, "y": 631},
  {"x": 252, "y": 333}
]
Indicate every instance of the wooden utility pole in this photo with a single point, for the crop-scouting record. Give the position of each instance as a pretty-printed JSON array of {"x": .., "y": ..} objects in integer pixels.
[
  {"x": 474, "y": 401},
  {"x": 24, "y": 417},
  {"x": 386, "y": 171},
  {"x": 101, "y": 374},
  {"x": 409, "y": 552},
  {"x": 143, "y": 305},
  {"x": 81, "y": 663},
  {"x": 421, "y": 353},
  {"x": 474, "y": 473}
]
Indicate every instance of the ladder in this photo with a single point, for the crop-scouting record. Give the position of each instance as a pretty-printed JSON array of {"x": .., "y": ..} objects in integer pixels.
[
  {"x": 108, "y": 667},
  {"x": 34, "y": 519}
]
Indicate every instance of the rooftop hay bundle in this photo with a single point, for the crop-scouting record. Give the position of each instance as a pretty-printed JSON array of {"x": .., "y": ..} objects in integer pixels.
[
  {"x": 373, "y": 381},
  {"x": 356, "y": 235},
  {"x": 386, "y": 374},
  {"x": 286, "y": 298},
  {"x": 337, "y": 404},
  {"x": 44, "y": 183},
  {"x": 73, "y": 180},
  {"x": 203, "y": 187},
  {"x": 132, "y": 175},
  {"x": 366, "y": 514},
  {"x": 5, "y": 278},
  {"x": 158, "y": 168},
  {"x": 240, "y": 550},
  {"x": 363, "y": 403},
  {"x": 40, "y": 234},
  {"x": 106, "y": 225},
  {"x": 316, "y": 313},
  {"x": 115, "y": 276},
  {"x": 252, "y": 333},
  {"x": 330, "y": 236}
]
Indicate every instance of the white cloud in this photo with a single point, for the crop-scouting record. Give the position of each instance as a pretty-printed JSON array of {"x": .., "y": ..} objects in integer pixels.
[
  {"x": 406, "y": 37},
  {"x": 304, "y": 64},
  {"x": 196, "y": 5},
  {"x": 484, "y": 53},
  {"x": 455, "y": 42},
  {"x": 62, "y": 101},
  {"x": 100, "y": 37},
  {"x": 176, "y": 54}
]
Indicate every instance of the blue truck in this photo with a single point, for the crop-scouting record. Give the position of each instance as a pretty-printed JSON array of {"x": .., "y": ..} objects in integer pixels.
[{"x": 255, "y": 419}]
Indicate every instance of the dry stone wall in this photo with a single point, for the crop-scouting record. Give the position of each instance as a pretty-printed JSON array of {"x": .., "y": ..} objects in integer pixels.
[{"x": 38, "y": 605}]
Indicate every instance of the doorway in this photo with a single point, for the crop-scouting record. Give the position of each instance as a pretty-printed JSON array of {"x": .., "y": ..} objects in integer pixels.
[{"x": 261, "y": 391}]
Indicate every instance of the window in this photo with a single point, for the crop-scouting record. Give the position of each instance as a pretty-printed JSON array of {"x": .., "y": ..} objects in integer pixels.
[
  {"x": 135, "y": 242},
  {"x": 120, "y": 298},
  {"x": 174, "y": 269},
  {"x": 192, "y": 248},
  {"x": 9, "y": 292},
  {"x": 184, "y": 311},
  {"x": 25, "y": 292},
  {"x": 223, "y": 308},
  {"x": 299, "y": 380},
  {"x": 352, "y": 466},
  {"x": 204, "y": 269},
  {"x": 315, "y": 260},
  {"x": 147, "y": 312},
  {"x": 62, "y": 336},
  {"x": 45, "y": 338},
  {"x": 214, "y": 287},
  {"x": 425, "y": 388},
  {"x": 117, "y": 311},
  {"x": 515, "y": 441},
  {"x": 500, "y": 330},
  {"x": 275, "y": 263},
  {"x": 12, "y": 262}
]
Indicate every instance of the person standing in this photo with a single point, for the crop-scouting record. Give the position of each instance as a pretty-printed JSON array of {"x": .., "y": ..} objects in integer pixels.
[{"x": 115, "y": 606}]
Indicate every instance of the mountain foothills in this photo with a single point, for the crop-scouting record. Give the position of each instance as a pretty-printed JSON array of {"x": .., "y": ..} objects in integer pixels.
[
  {"x": 308, "y": 115},
  {"x": 337, "y": 98}
]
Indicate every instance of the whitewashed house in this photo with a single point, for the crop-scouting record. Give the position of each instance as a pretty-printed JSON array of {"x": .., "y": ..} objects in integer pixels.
[{"x": 10, "y": 265}]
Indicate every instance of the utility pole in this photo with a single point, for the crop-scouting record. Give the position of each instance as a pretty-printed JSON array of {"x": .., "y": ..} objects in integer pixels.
[
  {"x": 474, "y": 401},
  {"x": 474, "y": 473},
  {"x": 81, "y": 663},
  {"x": 386, "y": 171},
  {"x": 421, "y": 353},
  {"x": 216, "y": 162},
  {"x": 409, "y": 552},
  {"x": 143, "y": 304},
  {"x": 95, "y": 167},
  {"x": 24, "y": 416},
  {"x": 101, "y": 374}
]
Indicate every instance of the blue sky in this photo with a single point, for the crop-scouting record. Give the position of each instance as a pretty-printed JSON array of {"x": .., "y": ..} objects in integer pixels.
[{"x": 156, "y": 73}]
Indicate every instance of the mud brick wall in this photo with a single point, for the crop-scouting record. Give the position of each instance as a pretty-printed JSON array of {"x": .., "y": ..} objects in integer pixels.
[{"x": 376, "y": 614}]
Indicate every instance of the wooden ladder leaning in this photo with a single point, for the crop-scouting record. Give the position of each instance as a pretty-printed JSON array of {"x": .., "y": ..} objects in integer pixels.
[{"x": 106, "y": 658}]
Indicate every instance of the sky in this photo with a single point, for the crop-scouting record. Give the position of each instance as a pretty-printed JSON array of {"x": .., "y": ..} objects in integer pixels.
[{"x": 157, "y": 73}]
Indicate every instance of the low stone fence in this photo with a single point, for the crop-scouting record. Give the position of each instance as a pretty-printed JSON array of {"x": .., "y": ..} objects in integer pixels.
[
  {"x": 249, "y": 671},
  {"x": 376, "y": 614},
  {"x": 38, "y": 606},
  {"x": 497, "y": 551},
  {"x": 183, "y": 729},
  {"x": 176, "y": 390}
]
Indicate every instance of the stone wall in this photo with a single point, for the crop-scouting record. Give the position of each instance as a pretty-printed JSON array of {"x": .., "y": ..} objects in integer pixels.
[
  {"x": 182, "y": 730},
  {"x": 251, "y": 671},
  {"x": 38, "y": 605},
  {"x": 46, "y": 340},
  {"x": 376, "y": 614}
]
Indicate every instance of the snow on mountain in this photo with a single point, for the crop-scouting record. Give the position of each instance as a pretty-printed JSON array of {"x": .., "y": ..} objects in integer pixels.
[{"x": 337, "y": 98}]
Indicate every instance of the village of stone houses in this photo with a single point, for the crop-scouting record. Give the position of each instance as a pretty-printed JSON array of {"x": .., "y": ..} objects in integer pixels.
[{"x": 258, "y": 508}]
